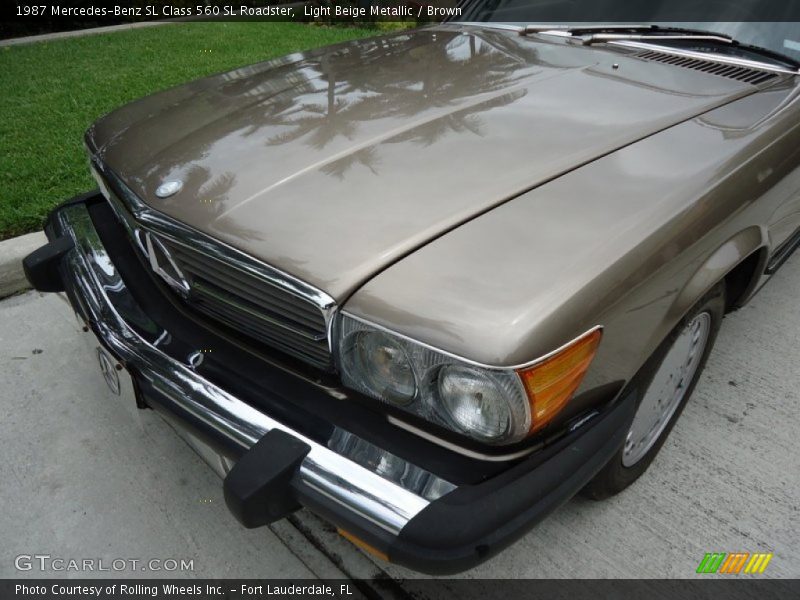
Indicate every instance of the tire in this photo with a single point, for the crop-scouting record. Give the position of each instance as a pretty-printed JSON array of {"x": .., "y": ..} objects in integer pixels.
[{"x": 658, "y": 408}]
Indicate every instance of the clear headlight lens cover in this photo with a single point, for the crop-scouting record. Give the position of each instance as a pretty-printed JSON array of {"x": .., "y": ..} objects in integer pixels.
[
  {"x": 474, "y": 403},
  {"x": 489, "y": 405},
  {"x": 380, "y": 365}
]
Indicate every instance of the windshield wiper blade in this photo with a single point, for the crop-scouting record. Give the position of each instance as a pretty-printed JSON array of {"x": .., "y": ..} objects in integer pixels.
[
  {"x": 595, "y": 38},
  {"x": 618, "y": 28},
  {"x": 771, "y": 54},
  {"x": 601, "y": 33},
  {"x": 576, "y": 29},
  {"x": 590, "y": 34},
  {"x": 660, "y": 34}
]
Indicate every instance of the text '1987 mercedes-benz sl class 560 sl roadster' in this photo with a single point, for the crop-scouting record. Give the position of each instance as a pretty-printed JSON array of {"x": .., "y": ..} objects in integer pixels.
[{"x": 432, "y": 284}]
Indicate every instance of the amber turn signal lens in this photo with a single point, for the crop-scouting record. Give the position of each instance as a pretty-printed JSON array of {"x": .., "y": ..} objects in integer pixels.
[{"x": 551, "y": 383}]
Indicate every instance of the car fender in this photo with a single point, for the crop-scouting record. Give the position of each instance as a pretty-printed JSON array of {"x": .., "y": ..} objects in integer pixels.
[{"x": 717, "y": 265}]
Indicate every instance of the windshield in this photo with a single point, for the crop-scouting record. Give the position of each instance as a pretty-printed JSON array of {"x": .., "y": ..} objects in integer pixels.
[
  {"x": 783, "y": 38},
  {"x": 740, "y": 17}
]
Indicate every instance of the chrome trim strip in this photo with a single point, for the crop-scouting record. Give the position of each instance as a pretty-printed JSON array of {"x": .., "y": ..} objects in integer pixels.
[
  {"x": 194, "y": 240},
  {"x": 725, "y": 60},
  {"x": 190, "y": 238},
  {"x": 181, "y": 285},
  {"x": 460, "y": 449},
  {"x": 359, "y": 490}
]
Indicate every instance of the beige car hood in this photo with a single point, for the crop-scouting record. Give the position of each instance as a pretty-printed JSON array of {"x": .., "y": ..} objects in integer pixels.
[{"x": 334, "y": 164}]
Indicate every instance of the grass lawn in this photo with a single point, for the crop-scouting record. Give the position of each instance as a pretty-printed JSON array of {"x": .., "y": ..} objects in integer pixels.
[{"x": 52, "y": 91}]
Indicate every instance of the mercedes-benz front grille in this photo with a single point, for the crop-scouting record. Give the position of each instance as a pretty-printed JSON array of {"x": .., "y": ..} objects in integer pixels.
[
  {"x": 252, "y": 306},
  {"x": 223, "y": 283}
]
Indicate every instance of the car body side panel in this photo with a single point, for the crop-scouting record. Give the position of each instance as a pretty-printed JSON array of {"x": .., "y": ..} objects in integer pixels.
[{"x": 628, "y": 241}]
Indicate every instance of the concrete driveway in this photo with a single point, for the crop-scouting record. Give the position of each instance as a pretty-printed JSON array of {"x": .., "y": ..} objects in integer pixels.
[{"x": 82, "y": 478}]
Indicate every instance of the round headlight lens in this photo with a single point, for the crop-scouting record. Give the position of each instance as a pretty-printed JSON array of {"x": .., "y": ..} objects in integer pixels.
[
  {"x": 381, "y": 365},
  {"x": 474, "y": 403}
]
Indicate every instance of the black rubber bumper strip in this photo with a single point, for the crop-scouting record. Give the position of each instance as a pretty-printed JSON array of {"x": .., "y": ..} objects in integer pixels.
[
  {"x": 41, "y": 265},
  {"x": 473, "y": 523}
]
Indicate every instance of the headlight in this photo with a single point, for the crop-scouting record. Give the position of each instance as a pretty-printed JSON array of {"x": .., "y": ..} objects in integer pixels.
[
  {"x": 378, "y": 365},
  {"x": 490, "y": 404},
  {"x": 474, "y": 403}
]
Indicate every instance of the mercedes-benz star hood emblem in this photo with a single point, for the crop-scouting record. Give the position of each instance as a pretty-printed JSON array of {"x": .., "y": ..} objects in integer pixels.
[{"x": 169, "y": 188}]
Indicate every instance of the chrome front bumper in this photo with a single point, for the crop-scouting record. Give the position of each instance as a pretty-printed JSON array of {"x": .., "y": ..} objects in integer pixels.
[{"x": 103, "y": 299}]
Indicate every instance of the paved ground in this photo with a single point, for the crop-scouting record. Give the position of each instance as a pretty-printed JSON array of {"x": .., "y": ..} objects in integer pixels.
[
  {"x": 82, "y": 478},
  {"x": 85, "y": 478}
]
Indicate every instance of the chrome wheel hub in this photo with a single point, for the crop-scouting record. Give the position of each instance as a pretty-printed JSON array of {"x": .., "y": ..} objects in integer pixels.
[{"x": 667, "y": 389}]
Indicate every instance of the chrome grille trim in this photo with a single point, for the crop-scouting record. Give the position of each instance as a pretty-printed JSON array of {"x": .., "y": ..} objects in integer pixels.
[
  {"x": 233, "y": 288},
  {"x": 308, "y": 317}
]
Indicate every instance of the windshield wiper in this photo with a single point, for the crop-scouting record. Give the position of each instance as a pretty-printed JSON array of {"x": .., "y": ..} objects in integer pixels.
[
  {"x": 580, "y": 29},
  {"x": 594, "y": 34},
  {"x": 616, "y": 29}
]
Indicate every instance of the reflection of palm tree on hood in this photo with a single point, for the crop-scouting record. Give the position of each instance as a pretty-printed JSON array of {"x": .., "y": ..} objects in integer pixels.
[
  {"x": 366, "y": 91},
  {"x": 324, "y": 122},
  {"x": 457, "y": 122},
  {"x": 212, "y": 194},
  {"x": 368, "y": 157}
]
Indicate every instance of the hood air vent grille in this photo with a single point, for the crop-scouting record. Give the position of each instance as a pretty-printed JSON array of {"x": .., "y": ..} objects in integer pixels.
[{"x": 744, "y": 74}]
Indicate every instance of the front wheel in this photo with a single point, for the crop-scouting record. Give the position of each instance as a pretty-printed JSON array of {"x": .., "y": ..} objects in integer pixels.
[{"x": 668, "y": 379}]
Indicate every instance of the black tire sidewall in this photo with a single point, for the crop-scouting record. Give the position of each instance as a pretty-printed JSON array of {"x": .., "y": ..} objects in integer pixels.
[{"x": 615, "y": 477}]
